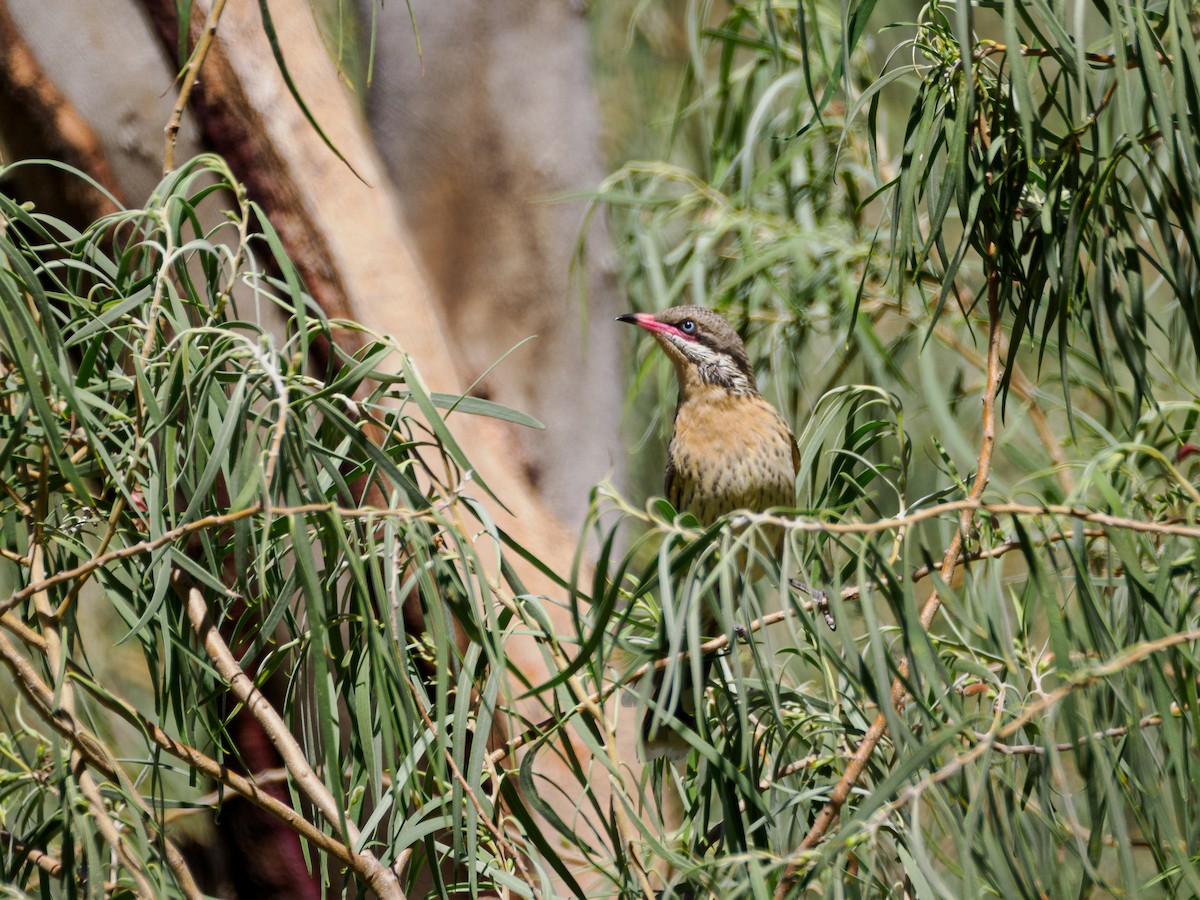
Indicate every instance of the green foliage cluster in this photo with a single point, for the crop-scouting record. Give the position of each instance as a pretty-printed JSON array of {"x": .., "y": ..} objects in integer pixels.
[
  {"x": 870, "y": 198},
  {"x": 194, "y": 457}
]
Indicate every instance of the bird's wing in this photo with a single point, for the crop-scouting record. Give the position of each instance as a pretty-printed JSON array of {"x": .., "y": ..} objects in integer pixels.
[{"x": 670, "y": 488}]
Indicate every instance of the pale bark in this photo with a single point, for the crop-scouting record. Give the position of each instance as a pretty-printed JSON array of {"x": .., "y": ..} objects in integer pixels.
[
  {"x": 484, "y": 135},
  {"x": 51, "y": 127}
]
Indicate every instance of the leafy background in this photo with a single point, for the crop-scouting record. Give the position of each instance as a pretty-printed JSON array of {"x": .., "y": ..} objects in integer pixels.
[
  {"x": 961, "y": 248},
  {"x": 864, "y": 209}
]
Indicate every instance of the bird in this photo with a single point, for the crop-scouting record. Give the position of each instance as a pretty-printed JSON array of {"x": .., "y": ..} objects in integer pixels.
[{"x": 730, "y": 449}]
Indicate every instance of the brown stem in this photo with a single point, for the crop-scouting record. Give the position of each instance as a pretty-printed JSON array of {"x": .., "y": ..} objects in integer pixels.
[
  {"x": 100, "y": 561},
  {"x": 65, "y": 695},
  {"x": 497, "y": 835},
  {"x": 990, "y": 48},
  {"x": 1067, "y": 746},
  {"x": 1172, "y": 528},
  {"x": 1025, "y": 391},
  {"x": 214, "y": 521},
  {"x": 364, "y": 863},
  {"x": 1166, "y": 529},
  {"x": 190, "y": 74},
  {"x": 841, "y": 791},
  {"x": 51, "y": 865},
  {"x": 250, "y": 789},
  {"x": 720, "y": 642},
  {"x": 1078, "y": 681},
  {"x": 89, "y": 748}
]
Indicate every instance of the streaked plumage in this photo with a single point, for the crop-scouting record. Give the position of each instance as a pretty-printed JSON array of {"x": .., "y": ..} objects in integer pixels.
[
  {"x": 729, "y": 448},
  {"x": 729, "y": 452}
]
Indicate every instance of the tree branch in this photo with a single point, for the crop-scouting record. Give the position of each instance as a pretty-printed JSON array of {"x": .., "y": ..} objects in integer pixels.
[
  {"x": 1106, "y": 60},
  {"x": 719, "y": 643},
  {"x": 1173, "y": 528},
  {"x": 64, "y": 695},
  {"x": 249, "y": 789},
  {"x": 1068, "y": 746},
  {"x": 214, "y": 521},
  {"x": 497, "y": 835},
  {"x": 90, "y": 748},
  {"x": 51, "y": 865},
  {"x": 1077, "y": 681},
  {"x": 379, "y": 877}
]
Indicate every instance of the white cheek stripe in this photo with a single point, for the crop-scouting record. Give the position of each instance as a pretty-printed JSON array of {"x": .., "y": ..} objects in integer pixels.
[{"x": 715, "y": 368}]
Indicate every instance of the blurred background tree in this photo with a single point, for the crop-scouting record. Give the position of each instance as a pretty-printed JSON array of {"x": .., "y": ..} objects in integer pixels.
[{"x": 959, "y": 240}]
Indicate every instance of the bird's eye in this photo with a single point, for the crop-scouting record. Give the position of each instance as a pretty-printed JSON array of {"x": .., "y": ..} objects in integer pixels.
[{"x": 687, "y": 326}]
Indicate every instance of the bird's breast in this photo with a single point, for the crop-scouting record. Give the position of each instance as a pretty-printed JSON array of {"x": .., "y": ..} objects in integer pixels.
[{"x": 730, "y": 452}]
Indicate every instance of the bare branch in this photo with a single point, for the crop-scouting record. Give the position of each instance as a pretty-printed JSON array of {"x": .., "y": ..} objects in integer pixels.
[
  {"x": 65, "y": 695},
  {"x": 51, "y": 865},
  {"x": 1168, "y": 528},
  {"x": 497, "y": 835},
  {"x": 90, "y": 748},
  {"x": 365, "y": 864},
  {"x": 190, "y": 74},
  {"x": 1077, "y": 681},
  {"x": 1067, "y": 746}
]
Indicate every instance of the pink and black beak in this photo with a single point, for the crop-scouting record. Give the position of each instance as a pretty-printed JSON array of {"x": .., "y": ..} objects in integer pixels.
[{"x": 650, "y": 323}]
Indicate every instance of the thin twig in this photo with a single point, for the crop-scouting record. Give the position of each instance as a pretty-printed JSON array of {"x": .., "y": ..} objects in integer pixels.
[
  {"x": 249, "y": 789},
  {"x": 190, "y": 74},
  {"x": 497, "y": 835},
  {"x": 64, "y": 695},
  {"x": 108, "y": 828},
  {"x": 51, "y": 865},
  {"x": 1173, "y": 528},
  {"x": 90, "y": 747},
  {"x": 1166, "y": 529},
  {"x": 791, "y": 768},
  {"x": 719, "y": 643},
  {"x": 1108, "y": 60},
  {"x": 102, "y": 559},
  {"x": 1068, "y": 746},
  {"x": 1077, "y": 681},
  {"x": 215, "y": 521}
]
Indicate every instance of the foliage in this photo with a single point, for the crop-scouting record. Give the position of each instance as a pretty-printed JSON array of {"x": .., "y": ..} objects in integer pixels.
[
  {"x": 208, "y": 485},
  {"x": 193, "y": 503},
  {"x": 1043, "y": 182}
]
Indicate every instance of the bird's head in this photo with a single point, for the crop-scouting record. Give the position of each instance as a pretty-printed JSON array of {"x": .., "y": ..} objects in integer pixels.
[{"x": 703, "y": 346}]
